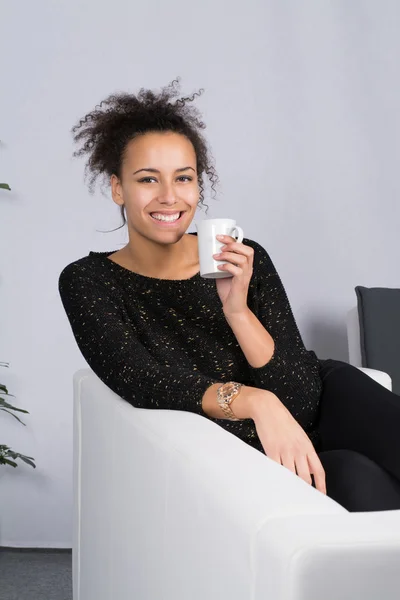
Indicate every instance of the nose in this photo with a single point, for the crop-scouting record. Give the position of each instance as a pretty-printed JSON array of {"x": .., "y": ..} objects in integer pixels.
[{"x": 167, "y": 194}]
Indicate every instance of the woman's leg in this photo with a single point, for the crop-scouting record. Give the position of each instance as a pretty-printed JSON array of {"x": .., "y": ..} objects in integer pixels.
[
  {"x": 359, "y": 414},
  {"x": 358, "y": 483}
]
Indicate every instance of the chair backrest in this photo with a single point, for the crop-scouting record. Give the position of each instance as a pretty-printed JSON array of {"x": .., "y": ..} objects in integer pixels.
[{"x": 379, "y": 330}]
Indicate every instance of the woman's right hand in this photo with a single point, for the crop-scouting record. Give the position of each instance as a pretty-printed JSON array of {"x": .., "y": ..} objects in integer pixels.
[{"x": 284, "y": 440}]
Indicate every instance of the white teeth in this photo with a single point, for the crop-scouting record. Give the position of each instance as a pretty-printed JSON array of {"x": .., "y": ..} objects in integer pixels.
[{"x": 165, "y": 217}]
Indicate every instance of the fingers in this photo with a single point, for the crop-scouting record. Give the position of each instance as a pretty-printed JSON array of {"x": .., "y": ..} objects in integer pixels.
[
  {"x": 238, "y": 248},
  {"x": 274, "y": 456},
  {"x": 318, "y": 471},
  {"x": 303, "y": 469},
  {"x": 287, "y": 460},
  {"x": 232, "y": 256},
  {"x": 304, "y": 466}
]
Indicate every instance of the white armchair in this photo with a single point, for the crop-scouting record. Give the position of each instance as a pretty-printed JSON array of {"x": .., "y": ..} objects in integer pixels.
[{"x": 170, "y": 506}]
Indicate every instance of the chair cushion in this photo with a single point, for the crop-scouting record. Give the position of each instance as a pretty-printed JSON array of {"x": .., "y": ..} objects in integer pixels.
[{"x": 379, "y": 317}]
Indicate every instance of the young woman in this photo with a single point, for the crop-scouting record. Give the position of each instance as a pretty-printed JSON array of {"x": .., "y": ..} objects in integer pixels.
[{"x": 229, "y": 349}]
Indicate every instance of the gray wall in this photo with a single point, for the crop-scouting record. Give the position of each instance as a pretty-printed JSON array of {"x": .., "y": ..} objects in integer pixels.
[{"x": 302, "y": 104}]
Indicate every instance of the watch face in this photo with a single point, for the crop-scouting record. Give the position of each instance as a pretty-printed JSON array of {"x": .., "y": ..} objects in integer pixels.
[{"x": 228, "y": 389}]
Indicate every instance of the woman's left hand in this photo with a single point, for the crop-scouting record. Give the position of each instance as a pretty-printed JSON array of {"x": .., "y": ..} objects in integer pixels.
[{"x": 233, "y": 290}]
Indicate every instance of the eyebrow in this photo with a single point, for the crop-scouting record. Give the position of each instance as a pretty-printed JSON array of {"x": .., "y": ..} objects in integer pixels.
[{"x": 157, "y": 171}]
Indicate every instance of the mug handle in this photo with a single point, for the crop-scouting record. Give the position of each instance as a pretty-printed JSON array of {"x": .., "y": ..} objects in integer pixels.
[{"x": 239, "y": 234}]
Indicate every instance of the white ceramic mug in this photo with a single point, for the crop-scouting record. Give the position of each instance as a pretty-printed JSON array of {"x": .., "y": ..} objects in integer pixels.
[{"x": 207, "y": 230}]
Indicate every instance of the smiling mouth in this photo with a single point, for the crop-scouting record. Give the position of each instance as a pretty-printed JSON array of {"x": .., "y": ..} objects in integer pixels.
[{"x": 181, "y": 213}]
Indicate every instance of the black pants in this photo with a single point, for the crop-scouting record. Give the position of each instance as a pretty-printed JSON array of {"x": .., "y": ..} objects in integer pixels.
[{"x": 359, "y": 447}]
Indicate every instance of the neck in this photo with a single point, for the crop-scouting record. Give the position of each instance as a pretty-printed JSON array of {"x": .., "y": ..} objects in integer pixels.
[{"x": 161, "y": 259}]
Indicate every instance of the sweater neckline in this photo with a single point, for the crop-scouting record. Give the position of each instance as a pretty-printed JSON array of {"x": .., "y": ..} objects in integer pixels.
[{"x": 104, "y": 256}]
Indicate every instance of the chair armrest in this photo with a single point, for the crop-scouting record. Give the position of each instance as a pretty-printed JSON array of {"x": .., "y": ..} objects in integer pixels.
[
  {"x": 342, "y": 556},
  {"x": 164, "y": 500},
  {"x": 159, "y": 487},
  {"x": 379, "y": 376}
]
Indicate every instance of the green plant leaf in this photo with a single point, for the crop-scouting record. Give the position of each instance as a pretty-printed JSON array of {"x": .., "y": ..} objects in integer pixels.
[
  {"x": 5, "y": 404},
  {"x": 15, "y": 416},
  {"x": 27, "y": 460},
  {"x": 6, "y": 453},
  {"x": 5, "y": 186},
  {"x": 8, "y": 394},
  {"x": 5, "y": 461}
]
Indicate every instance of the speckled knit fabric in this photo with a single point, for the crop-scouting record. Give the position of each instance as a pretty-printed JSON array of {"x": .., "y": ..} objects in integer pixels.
[{"x": 160, "y": 343}]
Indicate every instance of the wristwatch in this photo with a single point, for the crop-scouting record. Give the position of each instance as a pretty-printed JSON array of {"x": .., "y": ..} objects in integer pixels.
[{"x": 226, "y": 393}]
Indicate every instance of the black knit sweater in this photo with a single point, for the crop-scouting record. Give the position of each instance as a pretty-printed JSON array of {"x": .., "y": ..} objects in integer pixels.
[{"x": 160, "y": 343}]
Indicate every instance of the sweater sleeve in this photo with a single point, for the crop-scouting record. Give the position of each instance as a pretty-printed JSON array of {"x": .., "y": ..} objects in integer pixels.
[
  {"x": 111, "y": 348},
  {"x": 292, "y": 373}
]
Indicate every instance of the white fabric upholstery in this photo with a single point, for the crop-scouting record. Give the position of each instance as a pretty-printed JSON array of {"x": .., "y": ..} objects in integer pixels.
[{"x": 170, "y": 506}]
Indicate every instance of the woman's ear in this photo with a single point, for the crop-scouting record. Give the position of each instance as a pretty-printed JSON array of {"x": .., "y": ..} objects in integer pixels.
[{"x": 116, "y": 190}]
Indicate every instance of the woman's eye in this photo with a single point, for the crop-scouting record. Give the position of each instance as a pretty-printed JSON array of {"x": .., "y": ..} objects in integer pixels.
[{"x": 146, "y": 179}]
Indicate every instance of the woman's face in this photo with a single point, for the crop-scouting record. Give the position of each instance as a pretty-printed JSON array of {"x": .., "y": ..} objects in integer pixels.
[{"x": 159, "y": 174}]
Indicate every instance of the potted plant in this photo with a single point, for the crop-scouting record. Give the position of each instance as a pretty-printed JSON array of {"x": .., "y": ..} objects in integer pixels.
[{"x": 8, "y": 456}]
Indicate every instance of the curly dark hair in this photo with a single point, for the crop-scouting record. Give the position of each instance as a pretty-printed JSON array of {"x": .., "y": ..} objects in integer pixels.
[{"x": 107, "y": 130}]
